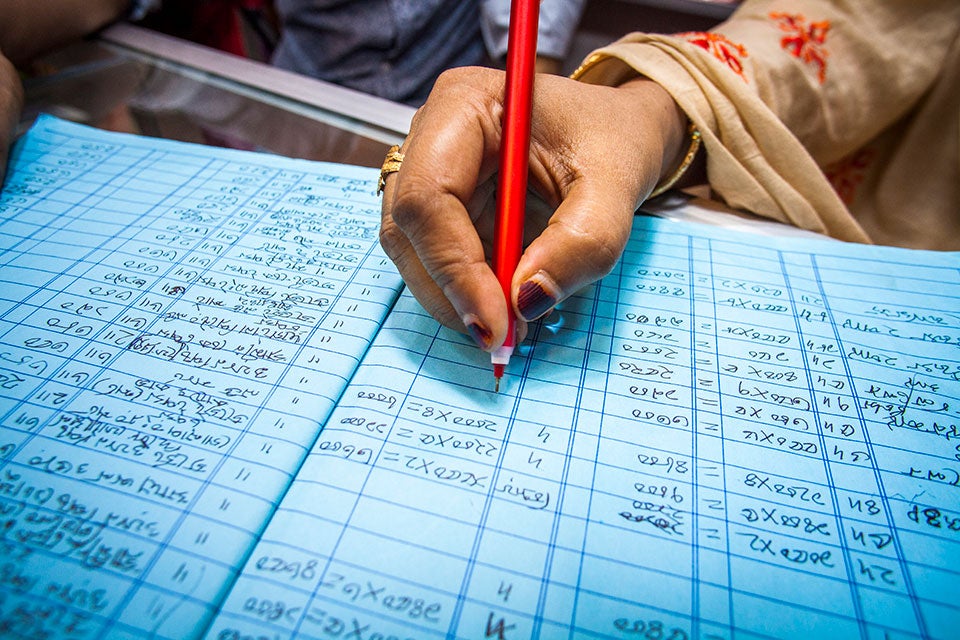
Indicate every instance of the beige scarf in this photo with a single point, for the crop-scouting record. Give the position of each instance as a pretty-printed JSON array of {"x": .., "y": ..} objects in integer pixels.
[{"x": 838, "y": 117}]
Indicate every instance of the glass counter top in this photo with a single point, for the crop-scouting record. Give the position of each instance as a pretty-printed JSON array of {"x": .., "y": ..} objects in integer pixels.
[{"x": 140, "y": 81}]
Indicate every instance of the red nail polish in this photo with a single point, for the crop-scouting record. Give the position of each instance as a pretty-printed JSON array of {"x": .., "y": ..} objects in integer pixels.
[{"x": 480, "y": 334}]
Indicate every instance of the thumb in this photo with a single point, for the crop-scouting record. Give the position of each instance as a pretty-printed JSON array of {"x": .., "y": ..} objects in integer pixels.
[{"x": 581, "y": 243}]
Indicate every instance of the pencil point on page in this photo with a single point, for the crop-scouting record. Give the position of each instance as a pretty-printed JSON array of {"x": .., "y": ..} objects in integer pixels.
[{"x": 497, "y": 375}]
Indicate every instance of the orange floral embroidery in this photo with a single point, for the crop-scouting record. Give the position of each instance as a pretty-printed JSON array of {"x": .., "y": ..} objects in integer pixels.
[
  {"x": 723, "y": 49},
  {"x": 804, "y": 41},
  {"x": 847, "y": 174}
]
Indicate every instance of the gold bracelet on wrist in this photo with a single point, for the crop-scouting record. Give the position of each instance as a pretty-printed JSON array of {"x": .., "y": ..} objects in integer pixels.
[{"x": 672, "y": 179}]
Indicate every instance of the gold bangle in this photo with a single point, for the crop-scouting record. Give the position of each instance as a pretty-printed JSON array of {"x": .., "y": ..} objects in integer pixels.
[{"x": 687, "y": 161}]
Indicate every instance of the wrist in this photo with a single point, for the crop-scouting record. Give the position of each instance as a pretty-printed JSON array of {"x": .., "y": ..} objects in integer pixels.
[
  {"x": 679, "y": 137},
  {"x": 678, "y": 174}
]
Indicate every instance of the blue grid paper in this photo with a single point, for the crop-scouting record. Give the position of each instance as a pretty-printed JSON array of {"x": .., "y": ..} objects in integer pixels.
[
  {"x": 726, "y": 437},
  {"x": 177, "y": 323},
  {"x": 221, "y": 417}
]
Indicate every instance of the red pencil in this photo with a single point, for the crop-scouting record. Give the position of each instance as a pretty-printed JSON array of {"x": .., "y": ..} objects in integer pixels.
[{"x": 514, "y": 161}]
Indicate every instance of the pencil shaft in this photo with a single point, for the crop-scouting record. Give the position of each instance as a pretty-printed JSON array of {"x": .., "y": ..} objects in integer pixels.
[{"x": 515, "y": 147}]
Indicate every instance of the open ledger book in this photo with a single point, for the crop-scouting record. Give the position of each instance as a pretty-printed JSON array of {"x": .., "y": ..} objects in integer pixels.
[{"x": 223, "y": 417}]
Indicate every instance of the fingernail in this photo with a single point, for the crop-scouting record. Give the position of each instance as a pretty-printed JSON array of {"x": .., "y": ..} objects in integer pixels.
[
  {"x": 478, "y": 331},
  {"x": 536, "y": 296}
]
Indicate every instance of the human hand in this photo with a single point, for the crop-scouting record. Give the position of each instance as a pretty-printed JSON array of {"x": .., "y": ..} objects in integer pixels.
[
  {"x": 595, "y": 153},
  {"x": 11, "y": 101}
]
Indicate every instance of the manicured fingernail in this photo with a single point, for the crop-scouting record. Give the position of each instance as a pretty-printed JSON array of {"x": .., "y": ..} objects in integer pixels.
[
  {"x": 478, "y": 331},
  {"x": 536, "y": 296}
]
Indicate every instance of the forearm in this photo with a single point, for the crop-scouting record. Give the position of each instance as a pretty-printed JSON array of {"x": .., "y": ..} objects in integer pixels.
[{"x": 31, "y": 27}]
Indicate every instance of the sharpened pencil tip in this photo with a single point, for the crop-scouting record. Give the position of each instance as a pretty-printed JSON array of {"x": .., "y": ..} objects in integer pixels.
[{"x": 497, "y": 375}]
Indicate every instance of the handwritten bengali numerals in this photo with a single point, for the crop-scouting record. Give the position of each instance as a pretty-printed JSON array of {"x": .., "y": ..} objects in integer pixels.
[
  {"x": 343, "y": 448},
  {"x": 11, "y": 204},
  {"x": 67, "y": 610},
  {"x": 663, "y": 275},
  {"x": 656, "y": 496},
  {"x": 20, "y": 366},
  {"x": 299, "y": 570},
  {"x": 669, "y": 291},
  {"x": 95, "y": 151},
  {"x": 447, "y": 416},
  {"x": 370, "y": 424},
  {"x": 68, "y": 324},
  {"x": 466, "y": 474},
  {"x": 358, "y": 606},
  {"x": 646, "y": 371},
  {"x": 781, "y": 439},
  {"x": 442, "y": 441},
  {"x": 750, "y": 303},
  {"x": 657, "y": 504},
  {"x": 784, "y": 490},
  {"x": 771, "y": 402},
  {"x": 384, "y": 399},
  {"x": 268, "y": 608},
  {"x": 791, "y": 520},
  {"x": 768, "y": 371},
  {"x": 873, "y": 554},
  {"x": 72, "y": 527},
  {"x": 664, "y": 353},
  {"x": 917, "y": 405},
  {"x": 790, "y": 552},
  {"x": 750, "y": 334},
  {"x": 668, "y": 395},
  {"x": 651, "y": 629},
  {"x": 788, "y": 523},
  {"x": 838, "y": 416},
  {"x": 657, "y": 338},
  {"x": 394, "y": 599},
  {"x": 942, "y": 520},
  {"x": 59, "y": 168},
  {"x": 932, "y": 329},
  {"x": 57, "y": 172},
  {"x": 948, "y": 371}
]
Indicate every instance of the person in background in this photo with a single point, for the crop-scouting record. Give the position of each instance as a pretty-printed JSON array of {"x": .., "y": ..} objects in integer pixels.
[
  {"x": 396, "y": 49},
  {"x": 393, "y": 49},
  {"x": 246, "y": 28},
  {"x": 29, "y": 29},
  {"x": 838, "y": 117}
]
